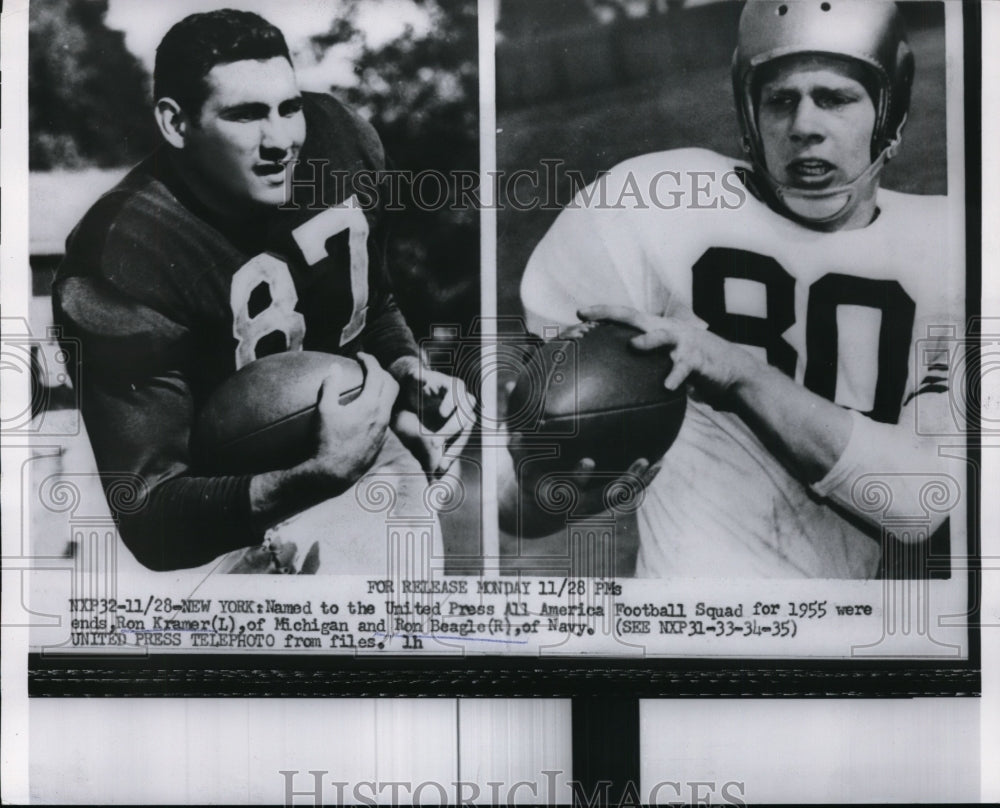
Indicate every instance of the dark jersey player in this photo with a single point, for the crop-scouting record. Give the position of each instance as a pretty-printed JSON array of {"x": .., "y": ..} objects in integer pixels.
[
  {"x": 793, "y": 293},
  {"x": 253, "y": 229}
]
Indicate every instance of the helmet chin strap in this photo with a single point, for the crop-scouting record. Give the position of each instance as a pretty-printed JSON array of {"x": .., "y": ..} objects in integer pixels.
[{"x": 828, "y": 208}]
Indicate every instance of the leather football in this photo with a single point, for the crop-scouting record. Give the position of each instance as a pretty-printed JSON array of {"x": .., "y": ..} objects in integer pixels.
[{"x": 263, "y": 417}]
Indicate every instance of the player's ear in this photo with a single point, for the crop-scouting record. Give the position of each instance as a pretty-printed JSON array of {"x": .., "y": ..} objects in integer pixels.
[{"x": 171, "y": 121}]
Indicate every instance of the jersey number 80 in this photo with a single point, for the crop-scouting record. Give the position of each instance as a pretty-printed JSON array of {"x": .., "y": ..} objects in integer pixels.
[{"x": 825, "y": 296}]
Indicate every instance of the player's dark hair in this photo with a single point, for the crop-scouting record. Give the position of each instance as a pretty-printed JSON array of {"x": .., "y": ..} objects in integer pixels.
[{"x": 199, "y": 42}]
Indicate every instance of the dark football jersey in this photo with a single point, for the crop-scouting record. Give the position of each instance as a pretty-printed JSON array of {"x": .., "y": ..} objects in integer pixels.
[{"x": 168, "y": 300}]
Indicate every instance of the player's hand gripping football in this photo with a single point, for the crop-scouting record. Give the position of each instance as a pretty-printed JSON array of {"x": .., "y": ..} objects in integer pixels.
[
  {"x": 710, "y": 363},
  {"x": 532, "y": 502},
  {"x": 596, "y": 492},
  {"x": 434, "y": 415},
  {"x": 350, "y": 436},
  {"x": 531, "y": 508}
]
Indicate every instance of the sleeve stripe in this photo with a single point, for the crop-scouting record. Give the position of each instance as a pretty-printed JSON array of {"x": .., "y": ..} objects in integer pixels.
[{"x": 930, "y": 388}]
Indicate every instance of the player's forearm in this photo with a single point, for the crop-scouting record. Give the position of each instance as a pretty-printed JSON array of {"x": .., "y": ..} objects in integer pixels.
[
  {"x": 907, "y": 469},
  {"x": 276, "y": 495},
  {"x": 832, "y": 449},
  {"x": 387, "y": 336},
  {"x": 347, "y": 442},
  {"x": 805, "y": 431},
  {"x": 185, "y": 521}
]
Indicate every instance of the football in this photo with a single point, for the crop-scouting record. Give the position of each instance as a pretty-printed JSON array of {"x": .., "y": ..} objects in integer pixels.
[
  {"x": 589, "y": 393},
  {"x": 262, "y": 418}
]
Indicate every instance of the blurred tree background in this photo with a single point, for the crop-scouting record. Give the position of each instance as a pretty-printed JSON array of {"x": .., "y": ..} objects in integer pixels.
[
  {"x": 89, "y": 100},
  {"x": 88, "y": 95},
  {"x": 422, "y": 96}
]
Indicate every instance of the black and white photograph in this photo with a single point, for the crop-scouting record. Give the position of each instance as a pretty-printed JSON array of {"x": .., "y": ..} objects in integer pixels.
[
  {"x": 705, "y": 252},
  {"x": 243, "y": 286},
  {"x": 735, "y": 264},
  {"x": 498, "y": 401},
  {"x": 732, "y": 291}
]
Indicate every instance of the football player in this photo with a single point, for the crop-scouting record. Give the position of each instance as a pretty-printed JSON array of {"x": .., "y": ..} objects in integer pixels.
[
  {"x": 791, "y": 291},
  {"x": 255, "y": 228}
]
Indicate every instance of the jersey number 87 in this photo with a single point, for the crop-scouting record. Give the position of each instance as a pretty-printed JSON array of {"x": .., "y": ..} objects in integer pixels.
[{"x": 280, "y": 315}]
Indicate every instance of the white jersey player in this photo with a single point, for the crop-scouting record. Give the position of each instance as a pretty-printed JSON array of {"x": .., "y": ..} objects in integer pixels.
[{"x": 792, "y": 292}]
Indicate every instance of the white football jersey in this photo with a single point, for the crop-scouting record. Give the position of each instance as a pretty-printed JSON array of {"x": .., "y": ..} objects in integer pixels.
[{"x": 677, "y": 233}]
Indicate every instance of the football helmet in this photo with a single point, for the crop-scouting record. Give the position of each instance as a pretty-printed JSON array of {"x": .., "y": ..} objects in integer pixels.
[{"x": 869, "y": 32}]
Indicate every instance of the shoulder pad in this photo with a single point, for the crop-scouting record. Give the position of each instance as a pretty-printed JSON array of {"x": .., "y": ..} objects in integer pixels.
[{"x": 117, "y": 335}]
